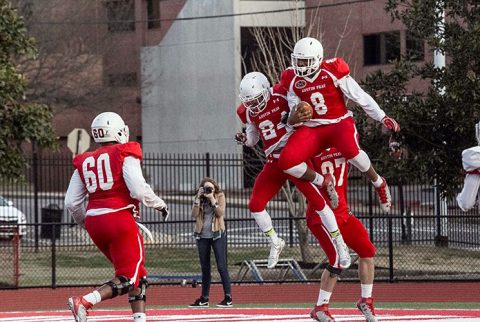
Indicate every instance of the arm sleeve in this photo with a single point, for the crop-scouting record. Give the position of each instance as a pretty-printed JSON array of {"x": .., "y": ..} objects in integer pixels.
[
  {"x": 353, "y": 91},
  {"x": 471, "y": 159},
  {"x": 252, "y": 135},
  {"x": 292, "y": 100},
  {"x": 75, "y": 199},
  {"x": 467, "y": 198},
  {"x": 139, "y": 189}
]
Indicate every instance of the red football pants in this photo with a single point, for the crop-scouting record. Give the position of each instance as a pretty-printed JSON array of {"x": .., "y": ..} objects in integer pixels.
[
  {"x": 116, "y": 235},
  {"x": 270, "y": 181},
  {"x": 307, "y": 142},
  {"x": 353, "y": 231}
]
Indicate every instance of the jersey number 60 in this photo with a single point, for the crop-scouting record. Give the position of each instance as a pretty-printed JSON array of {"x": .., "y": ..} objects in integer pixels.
[{"x": 103, "y": 175}]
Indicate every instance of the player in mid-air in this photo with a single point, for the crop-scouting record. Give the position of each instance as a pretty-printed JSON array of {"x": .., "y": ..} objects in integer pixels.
[
  {"x": 264, "y": 111},
  {"x": 471, "y": 164},
  {"x": 355, "y": 235},
  {"x": 111, "y": 177},
  {"x": 325, "y": 85}
]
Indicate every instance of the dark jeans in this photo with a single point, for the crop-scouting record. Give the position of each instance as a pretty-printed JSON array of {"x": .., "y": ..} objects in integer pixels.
[{"x": 219, "y": 246}]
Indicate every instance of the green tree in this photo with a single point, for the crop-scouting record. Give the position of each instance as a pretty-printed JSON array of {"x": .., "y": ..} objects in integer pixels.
[
  {"x": 21, "y": 121},
  {"x": 437, "y": 124}
]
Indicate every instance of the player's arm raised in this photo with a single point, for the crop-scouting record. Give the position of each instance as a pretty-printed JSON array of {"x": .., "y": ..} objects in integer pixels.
[{"x": 352, "y": 90}]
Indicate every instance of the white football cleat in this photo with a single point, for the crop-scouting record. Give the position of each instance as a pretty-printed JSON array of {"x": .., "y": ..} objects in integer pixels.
[
  {"x": 343, "y": 253},
  {"x": 275, "y": 250}
]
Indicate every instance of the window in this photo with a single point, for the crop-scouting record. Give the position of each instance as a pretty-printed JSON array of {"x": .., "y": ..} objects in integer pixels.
[
  {"x": 415, "y": 47},
  {"x": 380, "y": 48},
  {"x": 153, "y": 14},
  {"x": 122, "y": 80},
  {"x": 120, "y": 15}
]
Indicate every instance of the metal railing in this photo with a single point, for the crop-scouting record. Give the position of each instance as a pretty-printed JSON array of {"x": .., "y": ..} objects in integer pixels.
[{"x": 417, "y": 241}]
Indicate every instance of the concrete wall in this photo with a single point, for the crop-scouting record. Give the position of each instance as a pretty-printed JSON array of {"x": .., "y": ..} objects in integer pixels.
[{"x": 189, "y": 83}]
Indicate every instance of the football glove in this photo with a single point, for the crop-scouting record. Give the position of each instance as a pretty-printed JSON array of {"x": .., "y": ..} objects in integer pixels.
[
  {"x": 391, "y": 124},
  {"x": 164, "y": 212},
  {"x": 241, "y": 138}
]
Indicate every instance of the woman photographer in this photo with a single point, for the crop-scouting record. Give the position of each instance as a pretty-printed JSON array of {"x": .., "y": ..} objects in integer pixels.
[{"x": 208, "y": 211}]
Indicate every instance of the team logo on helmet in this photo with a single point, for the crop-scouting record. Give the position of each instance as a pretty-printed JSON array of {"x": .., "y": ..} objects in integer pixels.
[{"x": 300, "y": 84}]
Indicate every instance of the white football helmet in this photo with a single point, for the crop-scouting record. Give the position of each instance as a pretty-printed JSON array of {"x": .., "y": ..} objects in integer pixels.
[
  {"x": 255, "y": 92},
  {"x": 477, "y": 132},
  {"x": 307, "y": 56},
  {"x": 109, "y": 127}
]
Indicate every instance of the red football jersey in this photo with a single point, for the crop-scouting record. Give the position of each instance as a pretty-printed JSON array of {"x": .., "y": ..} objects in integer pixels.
[
  {"x": 273, "y": 132},
  {"x": 321, "y": 92},
  {"x": 101, "y": 172},
  {"x": 332, "y": 161}
]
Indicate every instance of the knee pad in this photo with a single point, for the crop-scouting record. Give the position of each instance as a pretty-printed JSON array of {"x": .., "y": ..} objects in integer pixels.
[
  {"x": 334, "y": 271},
  {"x": 361, "y": 161},
  {"x": 297, "y": 171},
  {"x": 123, "y": 287},
  {"x": 142, "y": 285}
]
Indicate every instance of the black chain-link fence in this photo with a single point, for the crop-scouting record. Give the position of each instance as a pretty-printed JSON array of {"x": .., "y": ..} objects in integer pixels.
[{"x": 423, "y": 238}]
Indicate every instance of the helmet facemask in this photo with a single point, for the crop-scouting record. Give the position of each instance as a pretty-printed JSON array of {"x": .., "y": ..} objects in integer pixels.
[
  {"x": 305, "y": 66},
  {"x": 307, "y": 56},
  {"x": 256, "y": 104},
  {"x": 255, "y": 92}
]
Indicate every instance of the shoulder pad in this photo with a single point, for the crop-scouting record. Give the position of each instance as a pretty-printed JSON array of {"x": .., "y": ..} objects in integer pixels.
[
  {"x": 279, "y": 89},
  {"x": 242, "y": 113},
  {"x": 131, "y": 149},
  {"x": 286, "y": 78},
  {"x": 337, "y": 66},
  {"x": 77, "y": 161},
  {"x": 471, "y": 158}
]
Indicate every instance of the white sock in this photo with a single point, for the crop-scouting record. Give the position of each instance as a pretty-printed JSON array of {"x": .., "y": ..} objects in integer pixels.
[
  {"x": 93, "y": 297},
  {"x": 264, "y": 222},
  {"x": 328, "y": 219},
  {"x": 324, "y": 297},
  {"x": 139, "y": 317},
  {"x": 366, "y": 290},
  {"x": 377, "y": 183},
  {"x": 318, "y": 181}
]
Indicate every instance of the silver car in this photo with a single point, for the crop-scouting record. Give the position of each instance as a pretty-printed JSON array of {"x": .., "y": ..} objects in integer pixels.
[{"x": 11, "y": 219}]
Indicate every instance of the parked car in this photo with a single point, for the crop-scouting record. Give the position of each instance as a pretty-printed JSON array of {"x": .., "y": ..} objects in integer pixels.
[{"x": 10, "y": 219}]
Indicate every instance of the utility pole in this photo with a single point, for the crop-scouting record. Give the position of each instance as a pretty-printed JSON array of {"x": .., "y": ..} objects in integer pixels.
[{"x": 440, "y": 203}]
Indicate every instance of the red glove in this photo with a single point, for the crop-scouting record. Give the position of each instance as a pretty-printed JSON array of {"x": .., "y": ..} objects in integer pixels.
[{"x": 391, "y": 124}]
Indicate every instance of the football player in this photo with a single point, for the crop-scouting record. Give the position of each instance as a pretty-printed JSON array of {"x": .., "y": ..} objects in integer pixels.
[
  {"x": 264, "y": 112},
  {"x": 325, "y": 85},
  {"x": 355, "y": 236},
  {"x": 471, "y": 164},
  {"x": 111, "y": 177}
]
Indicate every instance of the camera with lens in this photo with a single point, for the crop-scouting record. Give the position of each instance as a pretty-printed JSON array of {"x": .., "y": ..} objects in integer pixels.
[{"x": 208, "y": 190}]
